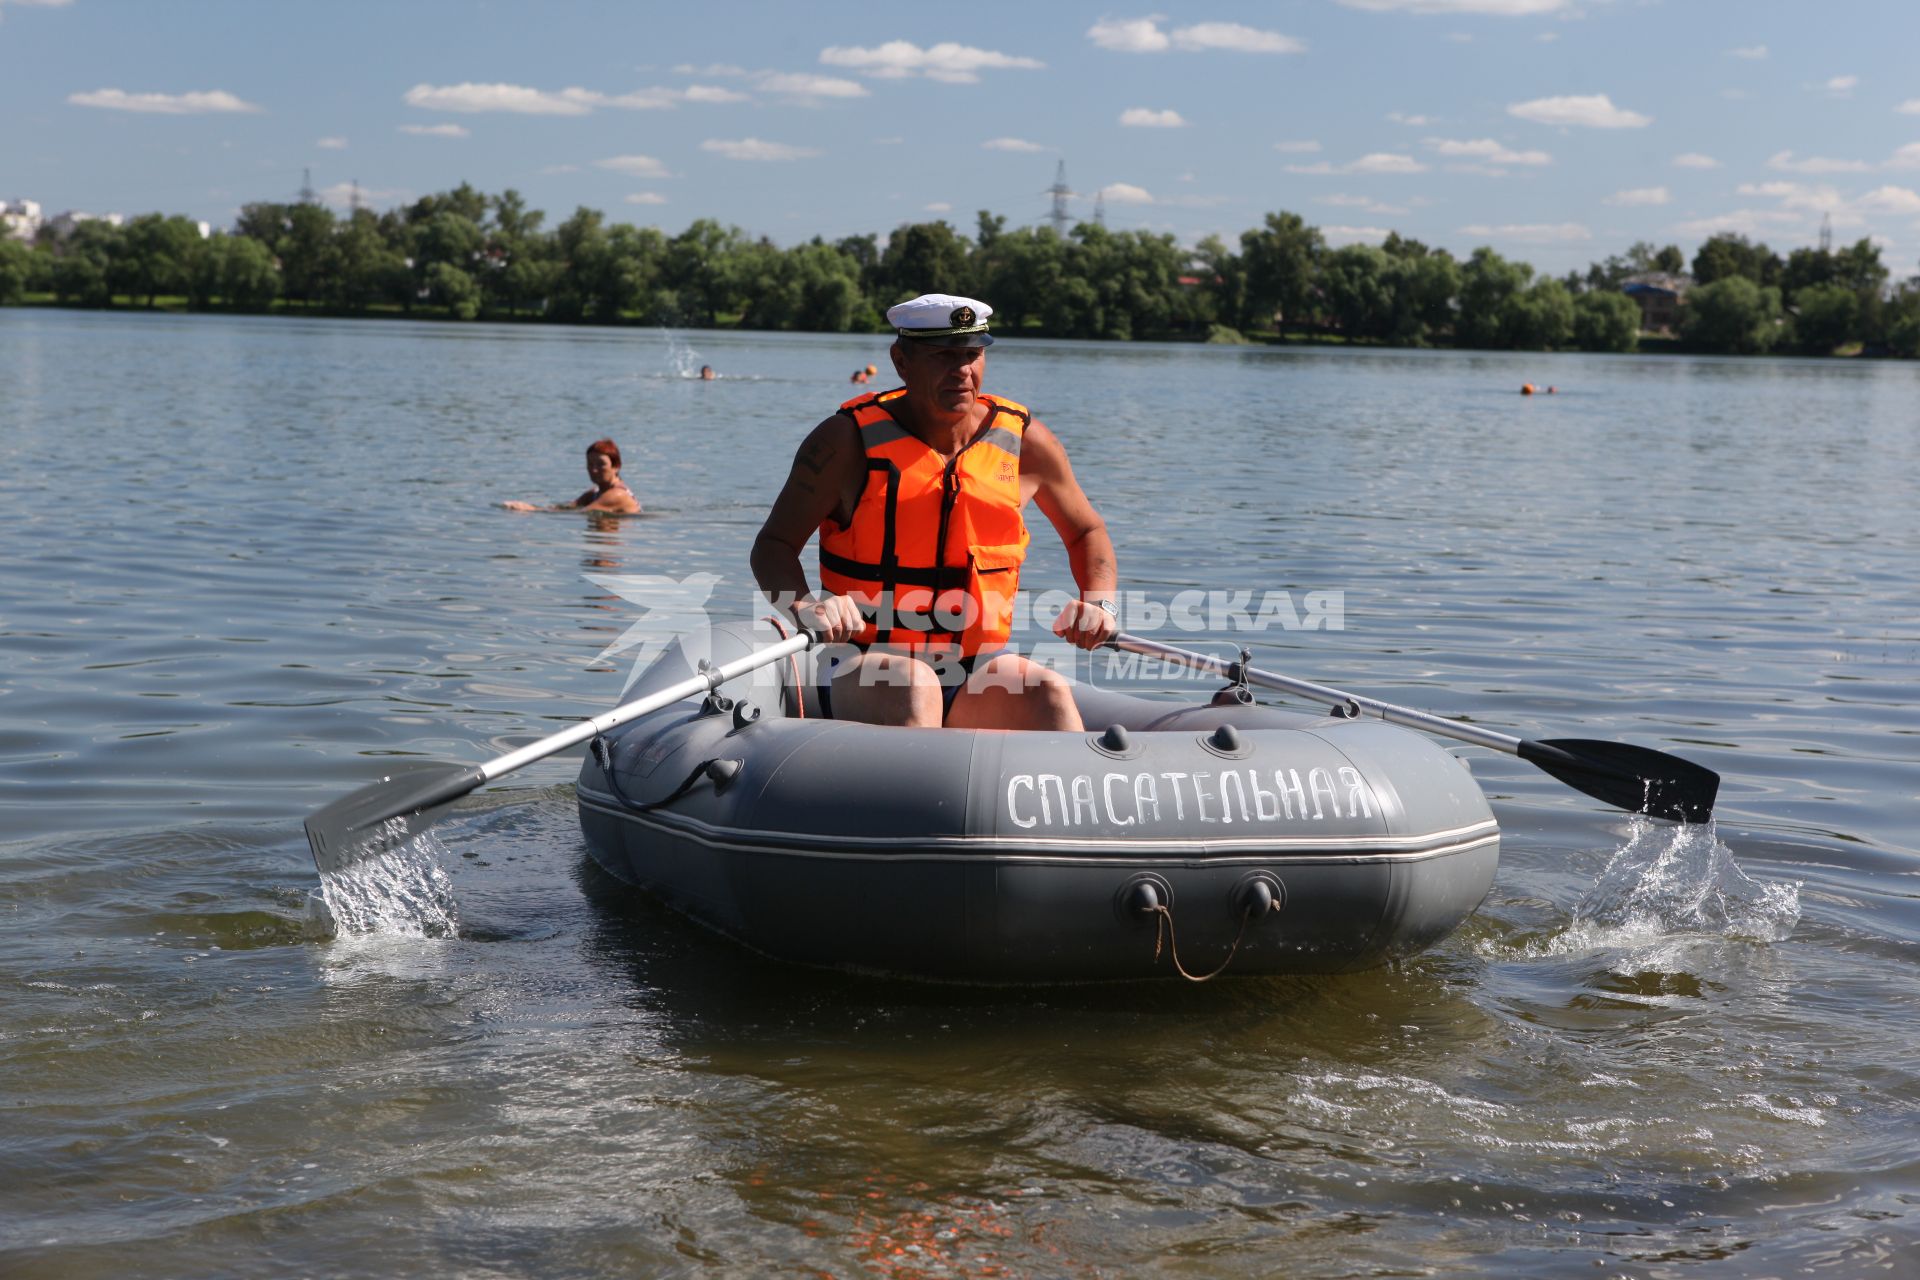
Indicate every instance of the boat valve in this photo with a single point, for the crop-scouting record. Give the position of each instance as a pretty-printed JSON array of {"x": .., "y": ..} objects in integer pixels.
[
  {"x": 722, "y": 772},
  {"x": 1143, "y": 899},
  {"x": 1258, "y": 896}
]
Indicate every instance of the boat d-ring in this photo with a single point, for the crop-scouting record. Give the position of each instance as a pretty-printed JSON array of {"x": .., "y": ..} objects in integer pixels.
[
  {"x": 1142, "y": 897},
  {"x": 1256, "y": 896}
]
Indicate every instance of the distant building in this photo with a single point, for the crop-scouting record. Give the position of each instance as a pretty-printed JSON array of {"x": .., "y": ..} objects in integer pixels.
[
  {"x": 1660, "y": 296},
  {"x": 63, "y": 224},
  {"x": 20, "y": 219}
]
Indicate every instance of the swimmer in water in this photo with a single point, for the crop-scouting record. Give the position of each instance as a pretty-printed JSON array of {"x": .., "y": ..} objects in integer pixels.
[
  {"x": 706, "y": 373},
  {"x": 609, "y": 492}
]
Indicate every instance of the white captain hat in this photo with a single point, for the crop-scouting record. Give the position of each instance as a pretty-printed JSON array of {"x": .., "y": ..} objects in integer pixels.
[{"x": 942, "y": 320}]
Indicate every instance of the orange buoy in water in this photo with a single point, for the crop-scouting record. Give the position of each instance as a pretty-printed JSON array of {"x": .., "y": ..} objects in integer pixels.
[{"x": 1526, "y": 388}]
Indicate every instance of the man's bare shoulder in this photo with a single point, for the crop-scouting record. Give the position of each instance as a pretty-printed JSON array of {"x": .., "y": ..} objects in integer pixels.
[{"x": 834, "y": 442}]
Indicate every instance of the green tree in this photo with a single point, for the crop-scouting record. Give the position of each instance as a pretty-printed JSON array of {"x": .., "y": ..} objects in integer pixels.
[
  {"x": 1605, "y": 322},
  {"x": 453, "y": 289},
  {"x": 1280, "y": 259},
  {"x": 249, "y": 280},
  {"x": 159, "y": 255},
  {"x": 1733, "y": 316},
  {"x": 924, "y": 257},
  {"x": 17, "y": 269},
  {"x": 1726, "y": 255},
  {"x": 1488, "y": 283},
  {"x": 1825, "y": 316},
  {"x": 364, "y": 267},
  {"x": 1223, "y": 282},
  {"x": 305, "y": 250},
  {"x": 1903, "y": 320},
  {"x": 1537, "y": 318},
  {"x": 1357, "y": 290}
]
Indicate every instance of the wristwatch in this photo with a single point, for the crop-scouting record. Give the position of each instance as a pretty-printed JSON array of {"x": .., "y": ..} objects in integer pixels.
[{"x": 1113, "y": 610}]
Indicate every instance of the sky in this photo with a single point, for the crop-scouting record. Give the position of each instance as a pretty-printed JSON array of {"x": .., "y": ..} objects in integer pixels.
[{"x": 1556, "y": 131}]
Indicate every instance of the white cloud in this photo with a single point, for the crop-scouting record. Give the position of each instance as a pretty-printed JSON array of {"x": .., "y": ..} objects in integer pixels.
[
  {"x": 634, "y": 166},
  {"x": 1841, "y": 86},
  {"x": 1794, "y": 195},
  {"x": 1366, "y": 204},
  {"x": 1637, "y": 197},
  {"x": 1785, "y": 162},
  {"x": 1754, "y": 52},
  {"x": 949, "y": 62},
  {"x": 1911, "y": 107},
  {"x": 1296, "y": 148},
  {"x": 646, "y": 197},
  {"x": 1490, "y": 8},
  {"x": 1694, "y": 160},
  {"x": 938, "y": 206},
  {"x": 1907, "y": 157},
  {"x": 711, "y": 69},
  {"x": 209, "y": 102},
  {"x": 1531, "y": 232},
  {"x": 1592, "y": 111},
  {"x": 1147, "y": 118},
  {"x": 713, "y": 93},
  {"x": 332, "y": 144},
  {"x": 435, "y": 130},
  {"x": 755, "y": 149},
  {"x": 1891, "y": 200},
  {"x": 1354, "y": 235},
  {"x": 803, "y": 84},
  {"x": 1143, "y": 35},
  {"x": 1418, "y": 122},
  {"x": 342, "y": 195},
  {"x": 1232, "y": 36},
  {"x": 1126, "y": 193},
  {"x": 1011, "y": 144},
  {"x": 1129, "y": 35},
  {"x": 1746, "y": 222},
  {"x": 1378, "y": 162},
  {"x": 518, "y": 99},
  {"x": 1483, "y": 152}
]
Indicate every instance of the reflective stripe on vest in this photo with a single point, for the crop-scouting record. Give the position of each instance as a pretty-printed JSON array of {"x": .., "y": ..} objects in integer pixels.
[{"x": 914, "y": 503}]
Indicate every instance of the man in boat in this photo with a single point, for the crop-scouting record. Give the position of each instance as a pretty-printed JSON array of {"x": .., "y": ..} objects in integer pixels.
[{"x": 916, "y": 495}]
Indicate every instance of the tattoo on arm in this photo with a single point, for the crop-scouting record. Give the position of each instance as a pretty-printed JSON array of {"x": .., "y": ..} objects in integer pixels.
[{"x": 813, "y": 456}]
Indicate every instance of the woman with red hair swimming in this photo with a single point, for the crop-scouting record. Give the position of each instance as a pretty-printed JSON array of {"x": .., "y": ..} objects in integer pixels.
[{"x": 609, "y": 492}]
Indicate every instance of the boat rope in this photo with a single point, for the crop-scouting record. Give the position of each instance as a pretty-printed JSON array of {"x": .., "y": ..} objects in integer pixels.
[
  {"x": 793, "y": 665},
  {"x": 1164, "y": 925}
]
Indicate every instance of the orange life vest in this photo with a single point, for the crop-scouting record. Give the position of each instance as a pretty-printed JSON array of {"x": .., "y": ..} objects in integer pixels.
[{"x": 932, "y": 554}]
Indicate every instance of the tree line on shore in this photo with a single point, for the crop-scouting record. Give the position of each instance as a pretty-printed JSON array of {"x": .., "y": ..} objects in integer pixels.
[{"x": 465, "y": 255}]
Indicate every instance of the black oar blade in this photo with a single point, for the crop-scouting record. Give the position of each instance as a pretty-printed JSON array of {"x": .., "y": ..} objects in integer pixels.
[
  {"x": 356, "y": 827},
  {"x": 1637, "y": 779}
]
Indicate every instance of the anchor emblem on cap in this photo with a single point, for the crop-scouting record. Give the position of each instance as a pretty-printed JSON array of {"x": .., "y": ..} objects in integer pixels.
[{"x": 961, "y": 317}]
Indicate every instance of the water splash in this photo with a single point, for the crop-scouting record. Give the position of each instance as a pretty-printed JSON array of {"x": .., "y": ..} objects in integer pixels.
[
  {"x": 397, "y": 887},
  {"x": 682, "y": 357},
  {"x": 1680, "y": 879}
]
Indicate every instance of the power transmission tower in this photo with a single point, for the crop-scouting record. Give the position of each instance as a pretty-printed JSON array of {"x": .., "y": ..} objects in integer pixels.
[
  {"x": 353, "y": 197},
  {"x": 1826, "y": 233},
  {"x": 306, "y": 188},
  {"x": 1061, "y": 219},
  {"x": 1100, "y": 208}
]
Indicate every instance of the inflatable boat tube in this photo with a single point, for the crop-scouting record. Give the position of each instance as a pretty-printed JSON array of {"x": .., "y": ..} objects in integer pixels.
[{"x": 1168, "y": 837}]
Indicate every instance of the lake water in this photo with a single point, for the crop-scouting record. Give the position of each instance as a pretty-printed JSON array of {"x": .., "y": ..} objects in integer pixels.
[{"x": 245, "y": 562}]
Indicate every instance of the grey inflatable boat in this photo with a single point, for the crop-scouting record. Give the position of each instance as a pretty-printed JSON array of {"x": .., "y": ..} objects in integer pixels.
[{"x": 1170, "y": 838}]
